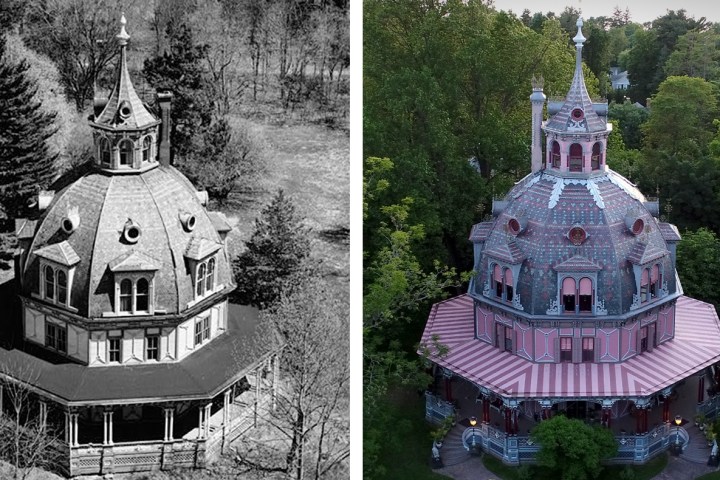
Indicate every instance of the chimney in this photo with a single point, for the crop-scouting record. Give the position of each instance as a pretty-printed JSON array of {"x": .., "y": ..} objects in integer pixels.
[
  {"x": 538, "y": 100},
  {"x": 164, "y": 153}
]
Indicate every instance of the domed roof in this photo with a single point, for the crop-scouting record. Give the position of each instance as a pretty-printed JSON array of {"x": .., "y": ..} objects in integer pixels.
[
  {"x": 171, "y": 229},
  {"x": 553, "y": 226}
]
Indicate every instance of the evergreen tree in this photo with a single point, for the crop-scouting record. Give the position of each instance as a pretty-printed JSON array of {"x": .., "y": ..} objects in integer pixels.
[
  {"x": 180, "y": 70},
  {"x": 26, "y": 163},
  {"x": 275, "y": 254}
]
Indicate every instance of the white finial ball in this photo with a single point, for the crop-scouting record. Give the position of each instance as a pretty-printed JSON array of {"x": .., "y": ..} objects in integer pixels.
[{"x": 579, "y": 22}]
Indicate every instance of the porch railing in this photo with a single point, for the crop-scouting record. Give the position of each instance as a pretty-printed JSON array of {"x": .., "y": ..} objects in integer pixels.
[
  {"x": 437, "y": 409},
  {"x": 517, "y": 449}
]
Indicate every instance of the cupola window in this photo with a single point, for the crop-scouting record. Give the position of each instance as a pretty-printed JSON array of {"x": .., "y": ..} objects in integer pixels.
[
  {"x": 588, "y": 349},
  {"x": 61, "y": 287},
  {"x": 568, "y": 295},
  {"x": 508, "y": 285},
  {"x": 105, "y": 157},
  {"x": 498, "y": 279},
  {"x": 147, "y": 144},
  {"x": 555, "y": 154},
  {"x": 205, "y": 280},
  {"x": 49, "y": 283},
  {"x": 585, "y": 295},
  {"x": 141, "y": 297},
  {"x": 566, "y": 349},
  {"x": 134, "y": 295},
  {"x": 596, "y": 158},
  {"x": 575, "y": 160},
  {"x": 654, "y": 280},
  {"x": 577, "y": 297},
  {"x": 126, "y": 153},
  {"x": 126, "y": 296}
]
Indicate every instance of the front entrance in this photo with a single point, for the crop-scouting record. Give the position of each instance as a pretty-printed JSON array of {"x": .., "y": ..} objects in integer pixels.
[{"x": 581, "y": 410}]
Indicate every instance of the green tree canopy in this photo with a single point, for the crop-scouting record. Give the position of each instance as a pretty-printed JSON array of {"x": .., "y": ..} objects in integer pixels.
[
  {"x": 698, "y": 253},
  {"x": 571, "y": 449}
]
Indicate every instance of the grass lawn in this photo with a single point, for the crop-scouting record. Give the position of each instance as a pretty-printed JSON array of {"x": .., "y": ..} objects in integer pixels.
[
  {"x": 610, "y": 472},
  {"x": 709, "y": 476},
  {"x": 410, "y": 461}
]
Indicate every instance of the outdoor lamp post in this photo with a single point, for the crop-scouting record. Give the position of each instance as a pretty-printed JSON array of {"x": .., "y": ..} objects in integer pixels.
[
  {"x": 678, "y": 421},
  {"x": 473, "y": 422}
]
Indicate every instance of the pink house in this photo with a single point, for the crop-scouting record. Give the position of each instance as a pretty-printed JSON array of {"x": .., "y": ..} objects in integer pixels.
[{"x": 575, "y": 297}]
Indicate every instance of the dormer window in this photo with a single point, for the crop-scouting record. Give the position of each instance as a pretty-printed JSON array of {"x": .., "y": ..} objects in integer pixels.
[
  {"x": 134, "y": 284},
  {"x": 577, "y": 296},
  {"x": 57, "y": 268},
  {"x": 205, "y": 278},
  {"x": 126, "y": 153},
  {"x": 201, "y": 256}
]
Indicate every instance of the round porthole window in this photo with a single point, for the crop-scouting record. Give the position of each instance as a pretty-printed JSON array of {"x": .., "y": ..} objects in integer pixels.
[
  {"x": 187, "y": 220},
  {"x": 124, "y": 111},
  {"x": 577, "y": 235},
  {"x": 577, "y": 114},
  {"x": 132, "y": 232},
  {"x": 638, "y": 226},
  {"x": 67, "y": 225},
  {"x": 514, "y": 226}
]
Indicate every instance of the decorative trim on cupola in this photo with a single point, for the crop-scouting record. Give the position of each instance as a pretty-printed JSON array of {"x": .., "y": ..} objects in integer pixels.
[
  {"x": 516, "y": 225},
  {"x": 577, "y": 263},
  {"x": 131, "y": 231},
  {"x": 187, "y": 220},
  {"x": 200, "y": 248},
  {"x": 634, "y": 223},
  {"x": 507, "y": 252},
  {"x": 643, "y": 253},
  {"x": 577, "y": 235}
]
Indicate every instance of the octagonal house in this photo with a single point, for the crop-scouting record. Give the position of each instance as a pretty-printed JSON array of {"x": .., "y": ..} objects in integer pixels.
[
  {"x": 128, "y": 342},
  {"x": 575, "y": 305}
]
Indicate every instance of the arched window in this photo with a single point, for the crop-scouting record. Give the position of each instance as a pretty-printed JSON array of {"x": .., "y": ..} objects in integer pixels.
[
  {"x": 568, "y": 294},
  {"x": 105, "y": 152},
  {"x": 200, "y": 280},
  {"x": 585, "y": 295},
  {"x": 49, "y": 282},
  {"x": 555, "y": 154},
  {"x": 210, "y": 276},
  {"x": 142, "y": 294},
  {"x": 644, "y": 283},
  {"x": 126, "y": 296},
  {"x": 498, "y": 279},
  {"x": 654, "y": 280},
  {"x": 126, "y": 153},
  {"x": 596, "y": 158},
  {"x": 508, "y": 285},
  {"x": 61, "y": 287},
  {"x": 575, "y": 160},
  {"x": 147, "y": 143}
]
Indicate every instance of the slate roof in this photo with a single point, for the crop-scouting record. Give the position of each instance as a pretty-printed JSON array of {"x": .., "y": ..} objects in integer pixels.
[
  {"x": 643, "y": 253},
  {"x": 599, "y": 204},
  {"x": 152, "y": 199},
  {"x": 25, "y": 228},
  {"x": 220, "y": 222},
  {"x": 200, "y": 248},
  {"x": 124, "y": 95},
  {"x": 669, "y": 232},
  {"x": 201, "y": 375}
]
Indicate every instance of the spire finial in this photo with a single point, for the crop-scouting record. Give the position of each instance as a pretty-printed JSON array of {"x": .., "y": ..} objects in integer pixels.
[
  {"x": 537, "y": 83},
  {"x": 579, "y": 39},
  {"x": 123, "y": 36}
]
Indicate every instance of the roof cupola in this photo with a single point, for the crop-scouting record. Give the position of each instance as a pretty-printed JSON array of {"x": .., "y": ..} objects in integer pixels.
[
  {"x": 577, "y": 129},
  {"x": 125, "y": 131}
]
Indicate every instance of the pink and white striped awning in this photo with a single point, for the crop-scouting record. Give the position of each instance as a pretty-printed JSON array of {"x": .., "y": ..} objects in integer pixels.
[{"x": 695, "y": 346}]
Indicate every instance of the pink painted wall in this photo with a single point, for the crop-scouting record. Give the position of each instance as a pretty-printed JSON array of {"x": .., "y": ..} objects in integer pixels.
[
  {"x": 545, "y": 344},
  {"x": 524, "y": 336},
  {"x": 628, "y": 340},
  {"x": 484, "y": 321},
  {"x": 666, "y": 324},
  {"x": 608, "y": 339}
]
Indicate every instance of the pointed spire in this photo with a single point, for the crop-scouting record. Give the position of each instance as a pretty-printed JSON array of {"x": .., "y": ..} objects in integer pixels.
[{"x": 124, "y": 108}]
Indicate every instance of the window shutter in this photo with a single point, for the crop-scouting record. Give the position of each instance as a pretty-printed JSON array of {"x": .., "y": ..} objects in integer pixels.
[
  {"x": 576, "y": 350},
  {"x": 637, "y": 338},
  {"x": 597, "y": 345},
  {"x": 515, "y": 341},
  {"x": 556, "y": 349}
]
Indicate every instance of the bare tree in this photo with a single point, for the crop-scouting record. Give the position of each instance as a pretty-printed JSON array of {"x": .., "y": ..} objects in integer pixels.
[
  {"x": 27, "y": 441},
  {"x": 307, "y": 434}
]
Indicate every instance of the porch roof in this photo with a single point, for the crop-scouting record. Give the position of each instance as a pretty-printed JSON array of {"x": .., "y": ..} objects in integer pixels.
[
  {"x": 695, "y": 346},
  {"x": 201, "y": 375}
]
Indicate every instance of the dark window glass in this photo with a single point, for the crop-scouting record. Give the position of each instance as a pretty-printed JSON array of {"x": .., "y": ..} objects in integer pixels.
[
  {"x": 152, "y": 347},
  {"x": 588, "y": 349},
  {"x": 49, "y": 283},
  {"x": 566, "y": 349},
  {"x": 114, "y": 349},
  {"x": 126, "y": 296},
  {"x": 61, "y": 286},
  {"x": 142, "y": 295}
]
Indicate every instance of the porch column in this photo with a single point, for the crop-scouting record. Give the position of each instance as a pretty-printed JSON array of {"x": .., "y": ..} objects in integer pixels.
[
  {"x": 1, "y": 400},
  {"x": 606, "y": 416},
  {"x": 43, "y": 414},
  {"x": 108, "y": 426},
  {"x": 448, "y": 389},
  {"x": 207, "y": 419},
  {"x": 68, "y": 428},
  {"x": 515, "y": 428},
  {"x": 508, "y": 421},
  {"x": 201, "y": 410},
  {"x": 74, "y": 419},
  {"x": 701, "y": 388},
  {"x": 638, "y": 419},
  {"x": 486, "y": 409},
  {"x": 226, "y": 408},
  {"x": 666, "y": 409}
]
